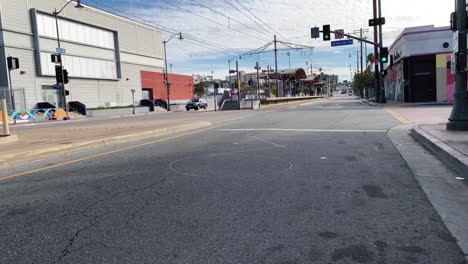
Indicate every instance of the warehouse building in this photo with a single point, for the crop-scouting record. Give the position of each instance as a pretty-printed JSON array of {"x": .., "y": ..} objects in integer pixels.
[{"x": 105, "y": 54}]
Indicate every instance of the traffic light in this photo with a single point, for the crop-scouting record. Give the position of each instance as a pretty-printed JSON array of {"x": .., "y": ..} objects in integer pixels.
[
  {"x": 58, "y": 74},
  {"x": 65, "y": 77},
  {"x": 326, "y": 32},
  {"x": 384, "y": 55}
]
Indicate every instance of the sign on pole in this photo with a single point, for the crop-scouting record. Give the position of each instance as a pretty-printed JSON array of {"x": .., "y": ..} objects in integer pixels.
[
  {"x": 453, "y": 60},
  {"x": 56, "y": 58},
  {"x": 342, "y": 42},
  {"x": 315, "y": 32},
  {"x": 339, "y": 34},
  {"x": 60, "y": 50},
  {"x": 13, "y": 63}
]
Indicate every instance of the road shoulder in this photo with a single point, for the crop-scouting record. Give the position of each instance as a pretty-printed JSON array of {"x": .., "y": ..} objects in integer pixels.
[{"x": 448, "y": 195}]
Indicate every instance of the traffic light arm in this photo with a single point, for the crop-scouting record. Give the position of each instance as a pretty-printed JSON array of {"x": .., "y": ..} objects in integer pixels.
[{"x": 356, "y": 38}]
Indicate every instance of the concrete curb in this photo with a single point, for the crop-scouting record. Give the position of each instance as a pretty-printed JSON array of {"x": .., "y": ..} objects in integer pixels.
[
  {"x": 6, "y": 160},
  {"x": 369, "y": 103},
  {"x": 8, "y": 139},
  {"x": 291, "y": 103},
  {"x": 450, "y": 156}
]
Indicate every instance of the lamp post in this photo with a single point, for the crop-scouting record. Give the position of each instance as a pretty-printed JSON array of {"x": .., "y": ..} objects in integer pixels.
[
  {"x": 56, "y": 14},
  {"x": 133, "y": 100},
  {"x": 258, "y": 68},
  {"x": 166, "y": 79}
]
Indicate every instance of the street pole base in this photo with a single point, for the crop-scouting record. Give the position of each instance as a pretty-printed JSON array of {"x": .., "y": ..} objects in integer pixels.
[{"x": 457, "y": 125}]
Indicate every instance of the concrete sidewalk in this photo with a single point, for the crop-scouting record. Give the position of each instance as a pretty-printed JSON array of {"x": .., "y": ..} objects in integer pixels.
[
  {"x": 401, "y": 104},
  {"x": 37, "y": 142},
  {"x": 449, "y": 146}
]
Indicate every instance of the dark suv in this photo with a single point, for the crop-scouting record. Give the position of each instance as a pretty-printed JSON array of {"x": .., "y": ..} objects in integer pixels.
[{"x": 196, "y": 104}]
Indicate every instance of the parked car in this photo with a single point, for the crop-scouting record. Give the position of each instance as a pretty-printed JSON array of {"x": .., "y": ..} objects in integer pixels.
[
  {"x": 350, "y": 93},
  {"x": 196, "y": 104}
]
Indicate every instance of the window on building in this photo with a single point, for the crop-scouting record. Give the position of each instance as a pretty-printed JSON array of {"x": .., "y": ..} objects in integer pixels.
[
  {"x": 81, "y": 67},
  {"x": 76, "y": 32}
]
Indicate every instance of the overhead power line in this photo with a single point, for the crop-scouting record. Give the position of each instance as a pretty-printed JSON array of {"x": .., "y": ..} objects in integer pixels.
[
  {"x": 217, "y": 23},
  {"x": 240, "y": 11},
  {"x": 263, "y": 22},
  {"x": 168, "y": 29},
  {"x": 230, "y": 18}
]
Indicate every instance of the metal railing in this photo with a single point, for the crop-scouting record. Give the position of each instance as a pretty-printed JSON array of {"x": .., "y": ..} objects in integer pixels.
[{"x": 78, "y": 107}]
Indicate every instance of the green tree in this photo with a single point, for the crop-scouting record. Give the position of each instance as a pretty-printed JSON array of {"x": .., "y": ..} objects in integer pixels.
[
  {"x": 362, "y": 81},
  {"x": 200, "y": 88}
]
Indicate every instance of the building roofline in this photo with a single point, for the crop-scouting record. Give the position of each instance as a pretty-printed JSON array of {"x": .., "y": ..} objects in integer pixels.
[
  {"x": 423, "y": 29},
  {"x": 121, "y": 17}
]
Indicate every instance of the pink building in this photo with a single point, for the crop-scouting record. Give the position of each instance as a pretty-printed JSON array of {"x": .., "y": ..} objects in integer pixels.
[{"x": 419, "y": 66}]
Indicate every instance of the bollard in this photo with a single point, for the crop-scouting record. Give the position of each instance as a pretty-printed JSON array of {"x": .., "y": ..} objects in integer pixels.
[{"x": 6, "y": 129}]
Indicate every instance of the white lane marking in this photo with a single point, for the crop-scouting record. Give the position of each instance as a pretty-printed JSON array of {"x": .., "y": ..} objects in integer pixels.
[
  {"x": 269, "y": 142},
  {"x": 306, "y": 130}
]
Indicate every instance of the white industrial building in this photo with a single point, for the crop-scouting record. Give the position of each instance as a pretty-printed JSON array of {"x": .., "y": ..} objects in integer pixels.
[{"x": 105, "y": 53}]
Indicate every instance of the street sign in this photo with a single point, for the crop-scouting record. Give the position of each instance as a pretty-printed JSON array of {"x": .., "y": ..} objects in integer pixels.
[
  {"x": 377, "y": 22},
  {"x": 56, "y": 58},
  {"x": 13, "y": 63},
  {"x": 60, "y": 50},
  {"x": 339, "y": 33},
  {"x": 342, "y": 42},
  {"x": 315, "y": 32}
]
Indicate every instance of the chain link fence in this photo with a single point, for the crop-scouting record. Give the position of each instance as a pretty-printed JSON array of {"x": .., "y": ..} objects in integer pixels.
[{"x": 19, "y": 98}]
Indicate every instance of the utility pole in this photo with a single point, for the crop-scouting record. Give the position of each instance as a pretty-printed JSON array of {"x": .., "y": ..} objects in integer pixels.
[
  {"x": 367, "y": 54},
  {"x": 258, "y": 79},
  {"x": 362, "y": 62},
  {"x": 383, "y": 98},
  {"x": 459, "y": 117},
  {"x": 289, "y": 57},
  {"x": 357, "y": 57},
  {"x": 269, "y": 84},
  {"x": 238, "y": 82},
  {"x": 276, "y": 67},
  {"x": 376, "y": 54},
  {"x": 361, "y": 31}
]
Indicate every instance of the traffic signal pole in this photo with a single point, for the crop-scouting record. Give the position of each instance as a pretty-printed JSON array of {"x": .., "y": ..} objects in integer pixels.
[
  {"x": 376, "y": 54},
  {"x": 383, "y": 97},
  {"x": 62, "y": 90},
  {"x": 459, "y": 117},
  {"x": 276, "y": 67}
]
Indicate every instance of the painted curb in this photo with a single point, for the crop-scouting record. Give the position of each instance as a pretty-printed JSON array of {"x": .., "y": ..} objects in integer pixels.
[{"x": 450, "y": 156}]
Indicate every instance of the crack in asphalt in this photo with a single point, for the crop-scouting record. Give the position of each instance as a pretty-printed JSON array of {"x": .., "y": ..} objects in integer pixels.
[{"x": 93, "y": 219}]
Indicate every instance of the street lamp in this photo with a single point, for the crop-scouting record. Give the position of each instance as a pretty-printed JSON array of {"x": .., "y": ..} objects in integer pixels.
[
  {"x": 133, "y": 100},
  {"x": 166, "y": 79},
  {"x": 56, "y": 14}
]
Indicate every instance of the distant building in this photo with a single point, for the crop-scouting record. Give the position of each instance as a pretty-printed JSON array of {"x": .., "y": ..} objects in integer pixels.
[
  {"x": 154, "y": 87},
  {"x": 417, "y": 69}
]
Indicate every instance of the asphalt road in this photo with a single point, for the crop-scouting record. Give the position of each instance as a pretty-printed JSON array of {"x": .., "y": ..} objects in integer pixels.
[{"x": 313, "y": 183}]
